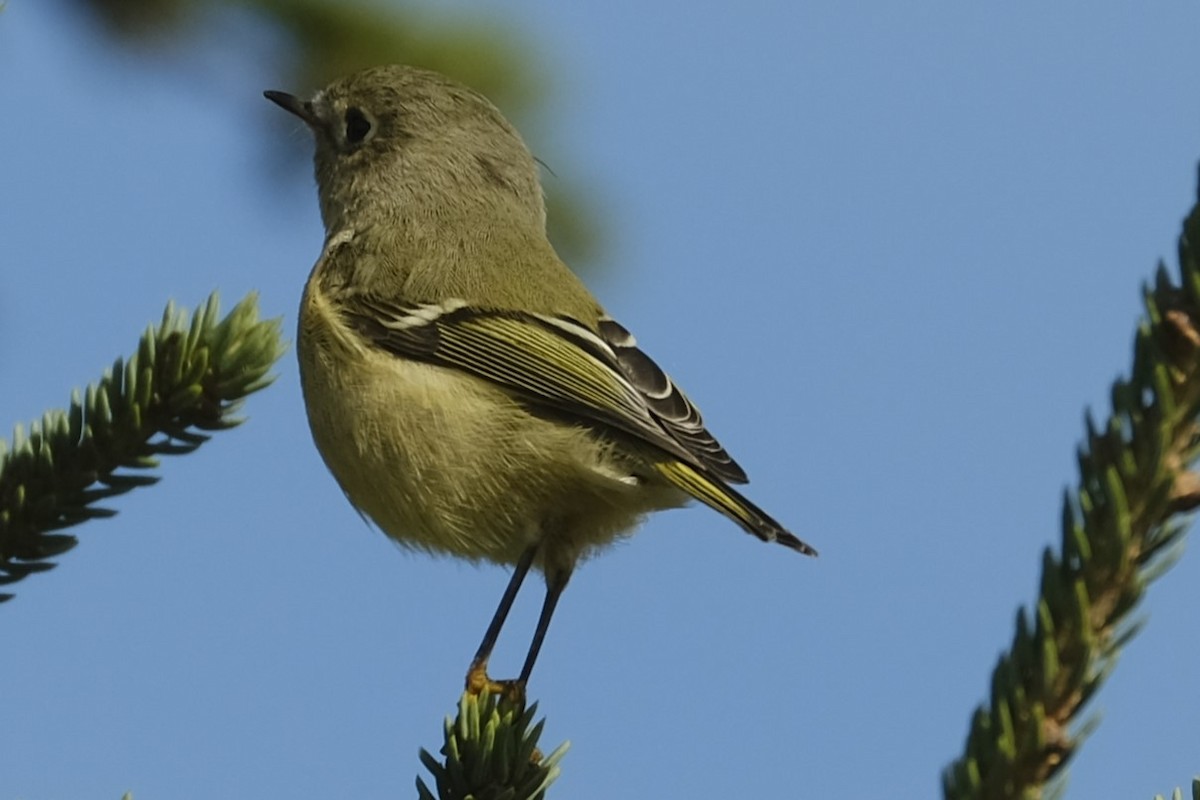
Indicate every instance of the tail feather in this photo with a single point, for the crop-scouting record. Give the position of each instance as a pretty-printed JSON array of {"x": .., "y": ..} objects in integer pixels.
[{"x": 716, "y": 494}]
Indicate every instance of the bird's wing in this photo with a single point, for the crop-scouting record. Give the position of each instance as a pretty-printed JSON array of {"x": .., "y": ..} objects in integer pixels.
[
  {"x": 596, "y": 377},
  {"x": 667, "y": 402},
  {"x": 550, "y": 361}
]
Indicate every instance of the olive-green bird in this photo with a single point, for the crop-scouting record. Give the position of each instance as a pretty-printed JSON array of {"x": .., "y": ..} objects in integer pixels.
[{"x": 468, "y": 393}]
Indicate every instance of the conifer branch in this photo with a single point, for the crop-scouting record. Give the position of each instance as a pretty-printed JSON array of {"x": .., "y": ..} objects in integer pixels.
[
  {"x": 187, "y": 378},
  {"x": 1120, "y": 529},
  {"x": 491, "y": 753},
  {"x": 1178, "y": 793}
]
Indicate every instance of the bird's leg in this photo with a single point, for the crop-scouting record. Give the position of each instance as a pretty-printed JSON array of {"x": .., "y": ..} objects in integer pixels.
[
  {"x": 555, "y": 583},
  {"x": 477, "y": 677}
]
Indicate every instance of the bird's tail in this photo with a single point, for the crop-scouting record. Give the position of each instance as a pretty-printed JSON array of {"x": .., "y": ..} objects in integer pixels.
[{"x": 715, "y": 494}]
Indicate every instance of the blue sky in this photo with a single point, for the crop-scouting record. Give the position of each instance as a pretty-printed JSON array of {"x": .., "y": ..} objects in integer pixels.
[{"x": 892, "y": 252}]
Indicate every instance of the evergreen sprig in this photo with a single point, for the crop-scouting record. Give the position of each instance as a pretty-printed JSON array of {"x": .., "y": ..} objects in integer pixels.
[
  {"x": 188, "y": 376},
  {"x": 1118, "y": 532},
  {"x": 1178, "y": 793},
  {"x": 491, "y": 753}
]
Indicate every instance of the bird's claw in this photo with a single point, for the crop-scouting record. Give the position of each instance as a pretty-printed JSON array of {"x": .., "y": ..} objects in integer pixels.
[{"x": 478, "y": 682}]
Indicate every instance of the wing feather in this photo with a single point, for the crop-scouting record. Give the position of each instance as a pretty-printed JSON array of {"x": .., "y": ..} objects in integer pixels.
[
  {"x": 668, "y": 402},
  {"x": 549, "y": 361},
  {"x": 599, "y": 376}
]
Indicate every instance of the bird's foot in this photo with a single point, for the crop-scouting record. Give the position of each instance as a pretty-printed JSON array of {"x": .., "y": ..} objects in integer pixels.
[{"x": 478, "y": 681}]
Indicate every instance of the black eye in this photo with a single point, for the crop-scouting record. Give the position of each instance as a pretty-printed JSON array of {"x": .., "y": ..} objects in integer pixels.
[{"x": 357, "y": 126}]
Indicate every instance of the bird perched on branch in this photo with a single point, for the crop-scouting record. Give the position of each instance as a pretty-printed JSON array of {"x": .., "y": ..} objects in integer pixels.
[{"x": 468, "y": 393}]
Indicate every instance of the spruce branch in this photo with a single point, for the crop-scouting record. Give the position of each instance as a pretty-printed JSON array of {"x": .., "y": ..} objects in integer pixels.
[
  {"x": 188, "y": 377},
  {"x": 1120, "y": 529},
  {"x": 491, "y": 753},
  {"x": 1178, "y": 793}
]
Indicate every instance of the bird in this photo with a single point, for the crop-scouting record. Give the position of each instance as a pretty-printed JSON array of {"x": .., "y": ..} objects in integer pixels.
[{"x": 468, "y": 393}]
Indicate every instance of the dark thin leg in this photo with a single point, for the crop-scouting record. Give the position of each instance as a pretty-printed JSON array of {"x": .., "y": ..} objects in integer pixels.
[
  {"x": 555, "y": 583},
  {"x": 477, "y": 677},
  {"x": 506, "y": 601}
]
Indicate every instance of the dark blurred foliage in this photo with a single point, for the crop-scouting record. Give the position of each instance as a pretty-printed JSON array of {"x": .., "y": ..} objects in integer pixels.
[{"x": 326, "y": 39}]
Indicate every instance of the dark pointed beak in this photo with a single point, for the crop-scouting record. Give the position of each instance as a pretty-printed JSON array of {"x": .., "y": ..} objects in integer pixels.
[{"x": 293, "y": 104}]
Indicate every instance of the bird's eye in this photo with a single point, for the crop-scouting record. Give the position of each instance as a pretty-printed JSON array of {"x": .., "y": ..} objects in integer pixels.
[{"x": 358, "y": 126}]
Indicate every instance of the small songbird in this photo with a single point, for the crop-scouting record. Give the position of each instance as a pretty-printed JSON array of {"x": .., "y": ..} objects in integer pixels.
[{"x": 465, "y": 389}]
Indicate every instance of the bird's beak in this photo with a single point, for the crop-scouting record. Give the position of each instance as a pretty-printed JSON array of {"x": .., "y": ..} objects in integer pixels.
[{"x": 293, "y": 104}]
